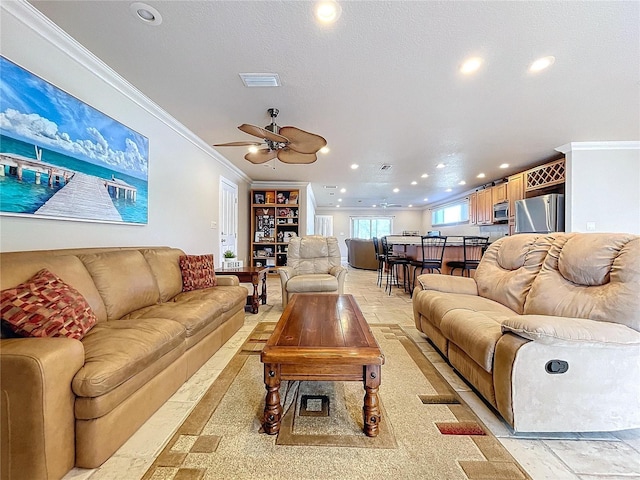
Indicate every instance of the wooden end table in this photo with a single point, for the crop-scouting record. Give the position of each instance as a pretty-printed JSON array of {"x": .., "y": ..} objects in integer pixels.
[
  {"x": 322, "y": 338},
  {"x": 251, "y": 275}
]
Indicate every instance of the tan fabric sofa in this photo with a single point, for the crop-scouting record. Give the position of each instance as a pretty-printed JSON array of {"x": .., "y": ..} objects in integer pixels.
[
  {"x": 361, "y": 254},
  {"x": 69, "y": 402},
  {"x": 540, "y": 304}
]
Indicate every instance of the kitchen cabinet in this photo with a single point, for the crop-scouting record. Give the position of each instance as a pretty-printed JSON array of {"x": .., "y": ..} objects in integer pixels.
[
  {"x": 499, "y": 193},
  {"x": 473, "y": 209},
  {"x": 515, "y": 191},
  {"x": 275, "y": 216},
  {"x": 485, "y": 207},
  {"x": 545, "y": 176}
]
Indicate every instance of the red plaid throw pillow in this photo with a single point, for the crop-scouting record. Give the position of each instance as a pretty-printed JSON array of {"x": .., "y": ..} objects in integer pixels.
[
  {"x": 197, "y": 272},
  {"x": 45, "y": 306}
]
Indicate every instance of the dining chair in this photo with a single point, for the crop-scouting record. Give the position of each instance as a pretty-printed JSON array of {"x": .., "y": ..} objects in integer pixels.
[
  {"x": 392, "y": 262},
  {"x": 473, "y": 249},
  {"x": 379, "y": 258},
  {"x": 432, "y": 254}
]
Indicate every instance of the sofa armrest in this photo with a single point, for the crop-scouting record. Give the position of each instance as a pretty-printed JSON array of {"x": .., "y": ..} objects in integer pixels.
[
  {"x": 551, "y": 330},
  {"x": 446, "y": 284},
  {"x": 285, "y": 274},
  {"x": 340, "y": 273},
  {"x": 38, "y": 421},
  {"x": 227, "y": 280}
]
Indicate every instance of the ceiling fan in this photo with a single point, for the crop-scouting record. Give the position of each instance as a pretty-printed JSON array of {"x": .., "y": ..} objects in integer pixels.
[{"x": 287, "y": 144}]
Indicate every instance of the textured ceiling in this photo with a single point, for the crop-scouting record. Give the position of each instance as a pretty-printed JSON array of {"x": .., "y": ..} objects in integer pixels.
[{"x": 382, "y": 84}]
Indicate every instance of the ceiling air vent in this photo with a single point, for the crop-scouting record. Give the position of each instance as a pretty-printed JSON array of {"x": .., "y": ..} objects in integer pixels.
[
  {"x": 330, "y": 186},
  {"x": 260, "y": 79},
  {"x": 385, "y": 167}
]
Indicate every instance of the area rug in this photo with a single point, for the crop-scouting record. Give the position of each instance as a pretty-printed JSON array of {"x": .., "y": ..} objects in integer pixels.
[{"x": 426, "y": 430}]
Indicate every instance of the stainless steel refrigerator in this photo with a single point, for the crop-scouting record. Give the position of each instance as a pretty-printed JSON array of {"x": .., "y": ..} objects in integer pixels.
[{"x": 541, "y": 214}]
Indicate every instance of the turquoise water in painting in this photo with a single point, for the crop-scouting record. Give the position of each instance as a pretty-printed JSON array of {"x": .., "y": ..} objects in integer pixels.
[{"x": 26, "y": 197}]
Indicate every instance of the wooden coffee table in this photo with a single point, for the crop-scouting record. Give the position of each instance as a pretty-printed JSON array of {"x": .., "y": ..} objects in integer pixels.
[
  {"x": 322, "y": 337},
  {"x": 251, "y": 275}
]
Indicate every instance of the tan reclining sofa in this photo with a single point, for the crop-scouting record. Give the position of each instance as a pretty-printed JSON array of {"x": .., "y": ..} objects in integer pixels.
[
  {"x": 547, "y": 331},
  {"x": 69, "y": 402}
]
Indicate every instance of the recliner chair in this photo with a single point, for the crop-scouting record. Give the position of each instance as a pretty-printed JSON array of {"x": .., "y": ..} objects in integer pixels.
[{"x": 313, "y": 266}]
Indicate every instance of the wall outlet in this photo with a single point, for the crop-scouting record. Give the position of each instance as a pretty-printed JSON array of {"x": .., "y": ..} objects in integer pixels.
[
  {"x": 214, "y": 224},
  {"x": 591, "y": 226}
]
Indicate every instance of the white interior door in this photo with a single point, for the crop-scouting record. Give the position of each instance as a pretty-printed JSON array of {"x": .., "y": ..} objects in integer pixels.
[{"x": 228, "y": 217}]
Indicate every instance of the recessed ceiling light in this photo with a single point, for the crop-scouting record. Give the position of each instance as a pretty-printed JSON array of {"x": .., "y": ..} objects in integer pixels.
[
  {"x": 409, "y": 205},
  {"x": 354, "y": 166},
  {"x": 145, "y": 13},
  {"x": 339, "y": 199},
  {"x": 542, "y": 63},
  {"x": 327, "y": 11},
  {"x": 324, "y": 150},
  {"x": 252, "y": 80},
  {"x": 424, "y": 175},
  {"x": 374, "y": 205},
  {"x": 471, "y": 65},
  {"x": 448, "y": 190},
  {"x": 396, "y": 190},
  {"x": 425, "y": 199},
  {"x": 504, "y": 165},
  {"x": 440, "y": 165},
  {"x": 342, "y": 190},
  {"x": 481, "y": 175},
  {"x": 414, "y": 183},
  {"x": 337, "y": 206},
  {"x": 462, "y": 182}
]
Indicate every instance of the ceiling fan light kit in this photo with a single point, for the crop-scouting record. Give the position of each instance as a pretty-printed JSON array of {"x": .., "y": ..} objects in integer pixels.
[{"x": 288, "y": 144}]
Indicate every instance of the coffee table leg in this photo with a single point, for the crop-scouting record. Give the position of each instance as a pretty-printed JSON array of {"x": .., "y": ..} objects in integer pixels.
[
  {"x": 371, "y": 407},
  {"x": 272, "y": 407}
]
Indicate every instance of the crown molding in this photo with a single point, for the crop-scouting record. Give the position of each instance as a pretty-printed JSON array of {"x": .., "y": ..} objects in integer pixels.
[
  {"x": 39, "y": 24},
  {"x": 612, "y": 145}
]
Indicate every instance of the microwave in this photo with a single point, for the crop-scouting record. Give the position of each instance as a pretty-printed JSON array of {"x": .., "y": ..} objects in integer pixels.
[{"x": 501, "y": 212}]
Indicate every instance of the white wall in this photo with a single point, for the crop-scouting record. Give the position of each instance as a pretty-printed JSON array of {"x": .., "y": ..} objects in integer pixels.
[
  {"x": 403, "y": 220},
  {"x": 602, "y": 187},
  {"x": 184, "y": 172}
]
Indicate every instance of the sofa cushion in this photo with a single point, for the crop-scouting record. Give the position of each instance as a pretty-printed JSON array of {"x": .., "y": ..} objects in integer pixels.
[
  {"x": 18, "y": 267},
  {"x": 509, "y": 267},
  {"x": 434, "y": 305},
  {"x": 197, "y": 272},
  {"x": 570, "y": 331},
  {"x": 594, "y": 276},
  {"x": 45, "y": 306},
  {"x": 312, "y": 283},
  {"x": 476, "y": 333},
  {"x": 228, "y": 297},
  {"x": 116, "y": 351},
  {"x": 313, "y": 254},
  {"x": 124, "y": 280},
  {"x": 165, "y": 265}
]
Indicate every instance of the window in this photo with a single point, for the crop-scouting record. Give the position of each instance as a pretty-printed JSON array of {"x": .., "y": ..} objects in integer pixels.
[
  {"x": 456, "y": 212},
  {"x": 369, "y": 227}
]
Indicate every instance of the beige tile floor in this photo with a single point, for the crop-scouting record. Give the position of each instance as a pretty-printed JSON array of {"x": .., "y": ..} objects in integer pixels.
[{"x": 602, "y": 456}]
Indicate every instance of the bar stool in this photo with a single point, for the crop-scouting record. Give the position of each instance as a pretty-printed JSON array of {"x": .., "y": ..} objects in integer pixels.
[
  {"x": 392, "y": 262},
  {"x": 380, "y": 259},
  {"x": 473, "y": 248},
  {"x": 432, "y": 254}
]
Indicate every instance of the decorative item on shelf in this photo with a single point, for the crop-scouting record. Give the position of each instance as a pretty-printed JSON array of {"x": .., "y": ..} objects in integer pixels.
[
  {"x": 280, "y": 237},
  {"x": 293, "y": 197},
  {"x": 288, "y": 236},
  {"x": 230, "y": 260},
  {"x": 259, "y": 238},
  {"x": 269, "y": 197},
  {"x": 258, "y": 198},
  {"x": 282, "y": 197}
]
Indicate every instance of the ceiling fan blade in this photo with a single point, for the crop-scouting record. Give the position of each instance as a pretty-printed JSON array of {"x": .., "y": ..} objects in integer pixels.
[
  {"x": 238, "y": 144},
  {"x": 301, "y": 141},
  {"x": 287, "y": 155},
  {"x": 262, "y": 133},
  {"x": 261, "y": 156}
]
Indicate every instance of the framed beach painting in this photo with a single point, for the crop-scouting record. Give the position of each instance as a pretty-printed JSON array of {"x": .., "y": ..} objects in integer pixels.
[{"x": 61, "y": 158}]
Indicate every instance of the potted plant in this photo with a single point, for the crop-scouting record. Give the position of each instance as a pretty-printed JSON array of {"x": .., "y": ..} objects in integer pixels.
[{"x": 230, "y": 260}]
